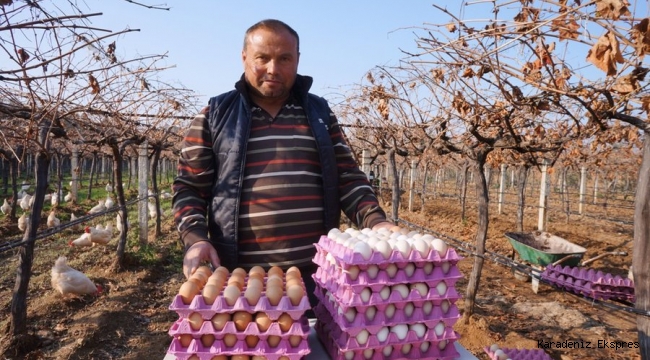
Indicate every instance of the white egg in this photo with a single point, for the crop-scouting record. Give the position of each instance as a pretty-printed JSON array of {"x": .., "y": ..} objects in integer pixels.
[
  {"x": 421, "y": 288},
  {"x": 349, "y": 355},
  {"x": 412, "y": 234},
  {"x": 417, "y": 235},
  {"x": 361, "y": 236},
  {"x": 403, "y": 247},
  {"x": 350, "y": 314},
  {"x": 353, "y": 272},
  {"x": 442, "y": 288},
  {"x": 370, "y": 313},
  {"x": 389, "y": 311},
  {"x": 428, "y": 237},
  {"x": 349, "y": 243},
  {"x": 439, "y": 329},
  {"x": 440, "y": 246},
  {"x": 334, "y": 232},
  {"x": 421, "y": 246},
  {"x": 409, "y": 269},
  {"x": 365, "y": 294},
  {"x": 367, "y": 353},
  {"x": 442, "y": 344},
  {"x": 350, "y": 231},
  {"x": 444, "y": 306},
  {"x": 408, "y": 309},
  {"x": 384, "y": 293},
  {"x": 445, "y": 267},
  {"x": 383, "y": 231},
  {"x": 344, "y": 236},
  {"x": 425, "y": 346},
  {"x": 494, "y": 347},
  {"x": 362, "y": 337},
  {"x": 428, "y": 268},
  {"x": 394, "y": 235},
  {"x": 402, "y": 289},
  {"x": 363, "y": 249},
  {"x": 383, "y": 247},
  {"x": 500, "y": 354},
  {"x": 402, "y": 237},
  {"x": 400, "y": 330},
  {"x": 406, "y": 348},
  {"x": 372, "y": 271},
  {"x": 372, "y": 242},
  {"x": 382, "y": 334},
  {"x": 427, "y": 306},
  {"x": 391, "y": 270},
  {"x": 419, "y": 329},
  {"x": 386, "y": 351}
]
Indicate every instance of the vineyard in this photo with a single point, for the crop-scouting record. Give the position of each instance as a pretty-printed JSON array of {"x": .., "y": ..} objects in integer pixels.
[{"x": 491, "y": 128}]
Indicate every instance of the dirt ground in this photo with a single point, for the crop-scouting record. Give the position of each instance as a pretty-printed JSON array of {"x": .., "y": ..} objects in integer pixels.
[{"x": 131, "y": 318}]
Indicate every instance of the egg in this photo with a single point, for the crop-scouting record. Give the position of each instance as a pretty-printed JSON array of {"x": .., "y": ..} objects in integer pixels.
[
  {"x": 273, "y": 340},
  {"x": 222, "y": 270},
  {"x": 442, "y": 344},
  {"x": 444, "y": 306},
  {"x": 263, "y": 321},
  {"x": 371, "y": 311},
  {"x": 445, "y": 266},
  {"x": 372, "y": 271},
  {"x": 419, "y": 329},
  {"x": 384, "y": 293},
  {"x": 387, "y": 350},
  {"x": 349, "y": 355},
  {"x": 500, "y": 354},
  {"x": 219, "y": 320},
  {"x": 253, "y": 294},
  {"x": 424, "y": 346},
  {"x": 187, "y": 291},
  {"x": 409, "y": 269},
  {"x": 242, "y": 319},
  {"x": 201, "y": 278},
  {"x": 274, "y": 281},
  {"x": 442, "y": 288},
  {"x": 427, "y": 268},
  {"x": 362, "y": 337},
  {"x": 389, "y": 311},
  {"x": 239, "y": 272},
  {"x": 274, "y": 294},
  {"x": 421, "y": 288},
  {"x": 384, "y": 248},
  {"x": 207, "y": 340},
  {"x": 395, "y": 228},
  {"x": 400, "y": 330},
  {"x": 440, "y": 246},
  {"x": 230, "y": 340},
  {"x": 294, "y": 270},
  {"x": 195, "y": 320},
  {"x": 402, "y": 289},
  {"x": 194, "y": 357},
  {"x": 295, "y": 294},
  {"x": 295, "y": 340},
  {"x": 210, "y": 293},
  {"x": 350, "y": 314},
  {"x": 427, "y": 306},
  {"x": 293, "y": 281},
  {"x": 367, "y": 353},
  {"x": 240, "y": 357},
  {"x": 252, "y": 340},
  {"x": 275, "y": 270},
  {"x": 185, "y": 340},
  {"x": 257, "y": 270},
  {"x": 421, "y": 247},
  {"x": 285, "y": 321},
  {"x": 372, "y": 242},
  {"x": 403, "y": 247},
  {"x": 494, "y": 347},
  {"x": 406, "y": 348},
  {"x": 217, "y": 279},
  {"x": 236, "y": 280},
  {"x": 363, "y": 249},
  {"x": 231, "y": 293},
  {"x": 365, "y": 295},
  {"x": 391, "y": 270},
  {"x": 382, "y": 334},
  {"x": 408, "y": 309}
]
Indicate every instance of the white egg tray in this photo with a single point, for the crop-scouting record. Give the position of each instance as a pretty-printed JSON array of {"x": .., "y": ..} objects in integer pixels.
[
  {"x": 399, "y": 351},
  {"x": 195, "y": 347},
  {"x": 346, "y": 258},
  {"x": 182, "y": 326},
  {"x": 519, "y": 354},
  {"x": 381, "y": 319},
  {"x": 241, "y": 304}
]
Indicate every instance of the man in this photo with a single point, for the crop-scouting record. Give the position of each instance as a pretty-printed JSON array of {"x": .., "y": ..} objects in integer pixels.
[{"x": 268, "y": 165}]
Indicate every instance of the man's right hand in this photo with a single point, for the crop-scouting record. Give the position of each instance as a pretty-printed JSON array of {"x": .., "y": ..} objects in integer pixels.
[{"x": 197, "y": 254}]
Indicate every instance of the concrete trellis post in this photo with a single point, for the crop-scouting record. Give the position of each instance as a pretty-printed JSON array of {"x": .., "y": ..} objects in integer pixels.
[
  {"x": 502, "y": 185},
  {"x": 143, "y": 180},
  {"x": 595, "y": 187},
  {"x": 365, "y": 162},
  {"x": 74, "y": 163},
  {"x": 583, "y": 189},
  {"x": 543, "y": 197},
  {"x": 414, "y": 171}
]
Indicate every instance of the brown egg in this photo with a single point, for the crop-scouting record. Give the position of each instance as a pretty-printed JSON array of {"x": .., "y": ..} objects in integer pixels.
[
  {"x": 216, "y": 281},
  {"x": 293, "y": 281},
  {"x": 273, "y": 340},
  {"x": 222, "y": 270},
  {"x": 185, "y": 340},
  {"x": 274, "y": 280},
  {"x": 274, "y": 294},
  {"x": 242, "y": 319},
  {"x": 295, "y": 294},
  {"x": 395, "y": 228},
  {"x": 239, "y": 272},
  {"x": 295, "y": 340},
  {"x": 293, "y": 270},
  {"x": 231, "y": 293},
  {"x": 210, "y": 293},
  {"x": 285, "y": 321},
  {"x": 263, "y": 321},
  {"x": 219, "y": 357},
  {"x": 236, "y": 280},
  {"x": 194, "y": 357},
  {"x": 252, "y": 340},
  {"x": 219, "y": 320},
  {"x": 257, "y": 270},
  {"x": 256, "y": 276},
  {"x": 200, "y": 278},
  {"x": 207, "y": 340},
  {"x": 253, "y": 281},
  {"x": 230, "y": 339},
  {"x": 283, "y": 358},
  {"x": 259, "y": 357},
  {"x": 204, "y": 269},
  {"x": 253, "y": 294},
  {"x": 187, "y": 291},
  {"x": 275, "y": 270},
  {"x": 195, "y": 320},
  {"x": 240, "y": 357}
]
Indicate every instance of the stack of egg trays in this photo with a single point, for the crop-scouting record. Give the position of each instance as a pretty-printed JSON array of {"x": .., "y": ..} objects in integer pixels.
[
  {"x": 519, "y": 354},
  {"x": 590, "y": 282},
  {"x": 284, "y": 348},
  {"x": 333, "y": 278}
]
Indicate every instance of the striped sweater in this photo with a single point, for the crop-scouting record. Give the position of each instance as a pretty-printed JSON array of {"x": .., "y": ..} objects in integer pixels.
[{"x": 281, "y": 205}]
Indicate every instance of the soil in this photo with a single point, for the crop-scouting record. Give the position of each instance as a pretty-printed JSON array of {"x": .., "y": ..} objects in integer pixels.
[{"x": 131, "y": 318}]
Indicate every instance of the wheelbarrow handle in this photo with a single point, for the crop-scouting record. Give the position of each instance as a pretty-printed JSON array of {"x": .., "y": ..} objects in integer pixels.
[
  {"x": 570, "y": 256},
  {"x": 617, "y": 253}
]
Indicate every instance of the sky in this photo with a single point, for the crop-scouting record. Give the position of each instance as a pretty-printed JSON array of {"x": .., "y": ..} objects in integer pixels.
[{"x": 340, "y": 40}]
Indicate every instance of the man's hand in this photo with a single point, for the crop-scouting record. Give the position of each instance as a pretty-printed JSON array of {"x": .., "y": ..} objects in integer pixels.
[
  {"x": 198, "y": 253},
  {"x": 383, "y": 224}
]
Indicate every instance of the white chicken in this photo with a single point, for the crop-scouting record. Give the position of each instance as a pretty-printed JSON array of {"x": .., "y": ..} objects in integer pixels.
[
  {"x": 109, "y": 188},
  {"x": 152, "y": 210},
  {"x": 100, "y": 236},
  {"x": 118, "y": 222},
  {"x": 5, "y": 208},
  {"x": 68, "y": 197},
  {"x": 97, "y": 208},
  {"x": 83, "y": 240},
  {"x": 109, "y": 203},
  {"x": 74, "y": 217},
  {"x": 25, "y": 202},
  {"x": 52, "y": 220},
  {"x": 68, "y": 281},
  {"x": 22, "y": 221},
  {"x": 21, "y": 194},
  {"x": 48, "y": 197},
  {"x": 25, "y": 185},
  {"x": 166, "y": 195}
]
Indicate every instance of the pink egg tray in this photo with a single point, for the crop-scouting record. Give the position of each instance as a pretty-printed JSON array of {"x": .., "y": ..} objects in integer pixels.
[
  {"x": 399, "y": 351},
  {"x": 182, "y": 326},
  {"x": 380, "y": 320},
  {"x": 520, "y": 354},
  {"x": 327, "y": 272},
  {"x": 195, "y": 347},
  {"x": 346, "y": 257},
  {"x": 590, "y": 283},
  {"x": 241, "y": 304},
  {"x": 345, "y": 341}
]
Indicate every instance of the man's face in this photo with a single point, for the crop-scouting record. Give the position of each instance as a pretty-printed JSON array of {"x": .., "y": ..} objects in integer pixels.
[{"x": 270, "y": 63}]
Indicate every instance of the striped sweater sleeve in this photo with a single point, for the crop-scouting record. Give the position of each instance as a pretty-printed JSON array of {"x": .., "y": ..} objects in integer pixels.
[
  {"x": 192, "y": 185},
  {"x": 358, "y": 200}
]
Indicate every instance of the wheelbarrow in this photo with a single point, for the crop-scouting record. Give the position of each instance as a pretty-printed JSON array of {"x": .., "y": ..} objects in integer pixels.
[{"x": 540, "y": 248}]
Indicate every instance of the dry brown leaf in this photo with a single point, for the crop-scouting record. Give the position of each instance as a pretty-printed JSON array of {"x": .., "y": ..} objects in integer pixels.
[
  {"x": 645, "y": 104},
  {"x": 484, "y": 69},
  {"x": 567, "y": 27},
  {"x": 23, "y": 56},
  {"x": 451, "y": 27},
  {"x": 94, "y": 84},
  {"x": 5, "y": 2},
  {"x": 438, "y": 75},
  {"x": 468, "y": 72},
  {"x": 612, "y": 9},
  {"x": 640, "y": 35},
  {"x": 606, "y": 53},
  {"x": 626, "y": 84},
  {"x": 144, "y": 85}
]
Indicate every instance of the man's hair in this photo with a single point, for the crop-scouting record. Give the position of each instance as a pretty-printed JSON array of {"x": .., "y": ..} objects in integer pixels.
[{"x": 275, "y": 25}]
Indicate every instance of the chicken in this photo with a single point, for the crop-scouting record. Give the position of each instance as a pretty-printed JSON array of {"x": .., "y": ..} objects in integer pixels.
[
  {"x": 48, "y": 197},
  {"x": 5, "y": 208},
  {"x": 152, "y": 210},
  {"x": 68, "y": 281},
  {"x": 76, "y": 227},
  {"x": 109, "y": 203},
  {"x": 22, "y": 222},
  {"x": 118, "y": 221},
  {"x": 25, "y": 185},
  {"x": 97, "y": 208},
  {"x": 52, "y": 220},
  {"x": 68, "y": 197},
  {"x": 25, "y": 202},
  {"x": 166, "y": 195},
  {"x": 83, "y": 240},
  {"x": 100, "y": 236},
  {"x": 109, "y": 188}
]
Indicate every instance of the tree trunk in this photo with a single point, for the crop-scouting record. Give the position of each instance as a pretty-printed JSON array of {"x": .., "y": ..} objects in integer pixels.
[
  {"x": 396, "y": 189},
  {"x": 463, "y": 190},
  {"x": 117, "y": 180},
  {"x": 566, "y": 200},
  {"x": 424, "y": 187},
  {"x": 641, "y": 254},
  {"x": 154, "y": 186},
  {"x": 521, "y": 194},
  {"x": 481, "y": 236}
]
